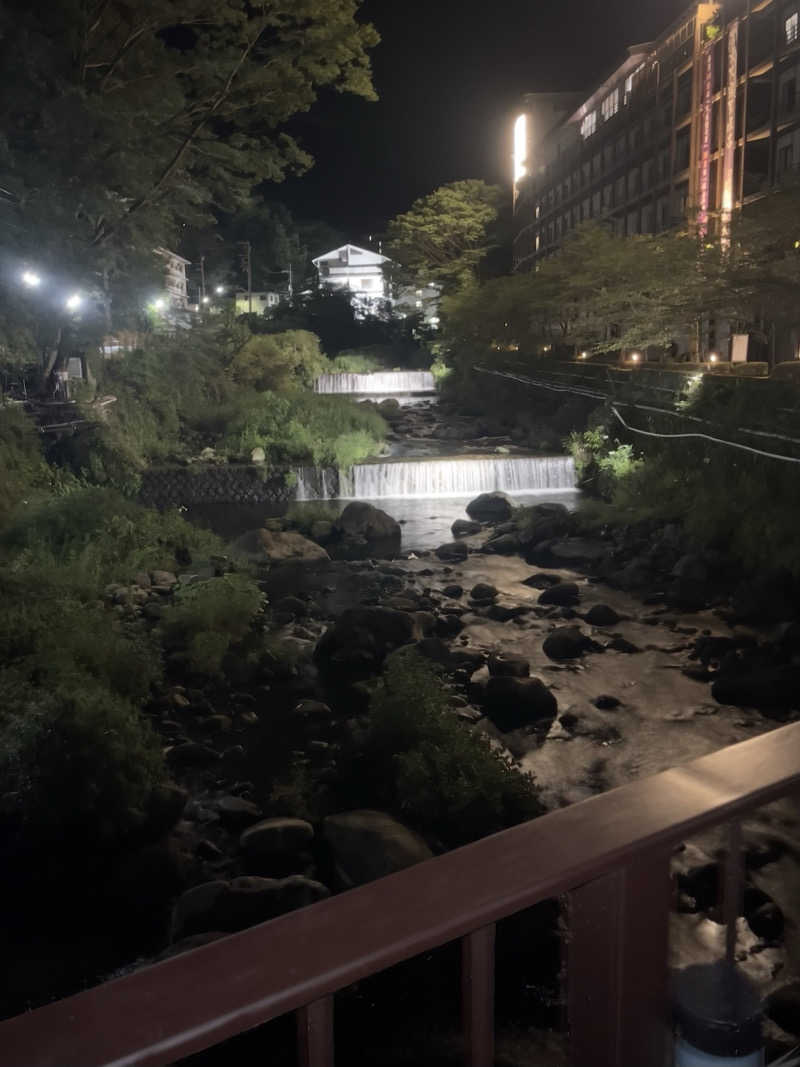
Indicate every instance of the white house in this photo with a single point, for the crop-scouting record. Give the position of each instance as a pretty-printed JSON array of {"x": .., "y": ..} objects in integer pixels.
[
  {"x": 359, "y": 272},
  {"x": 259, "y": 302},
  {"x": 175, "y": 278}
]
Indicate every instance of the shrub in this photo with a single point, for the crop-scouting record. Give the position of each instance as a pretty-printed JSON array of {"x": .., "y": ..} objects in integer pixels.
[
  {"x": 207, "y": 618},
  {"x": 23, "y": 466},
  {"x": 419, "y": 762},
  {"x": 355, "y": 362},
  {"x": 279, "y": 361}
]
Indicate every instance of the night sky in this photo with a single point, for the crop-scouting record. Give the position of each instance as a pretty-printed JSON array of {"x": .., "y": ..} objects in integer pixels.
[{"x": 449, "y": 74}]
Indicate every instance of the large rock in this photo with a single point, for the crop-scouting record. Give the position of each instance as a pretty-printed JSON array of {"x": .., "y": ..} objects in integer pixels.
[
  {"x": 483, "y": 593},
  {"x": 543, "y": 522},
  {"x": 601, "y": 615},
  {"x": 515, "y": 702},
  {"x": 362, "y": 523},
  {"x": 465, "y": 528},
  {"x": 490, "y": 507},
  {"x": 357, "y": 644},
  {"x": 568, "y": 642},
  {"x": 288, "y": 544},
  {"x": 564, "y": 595},
  {"x": 455, "y": 552},
  {"x": 504, "y": 545},
  {"x": 370, "y": 844},
  {"x": 276, "y": 837},
  {"x": 242, "y": 902},
  {"x": 770, "y": 689},
  {"x": 579, "y": 550},
  {"x": 504, "y": 665}
]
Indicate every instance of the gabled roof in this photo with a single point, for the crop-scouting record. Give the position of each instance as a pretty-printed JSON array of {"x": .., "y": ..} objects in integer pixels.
[{"x": 363, "y": 256}]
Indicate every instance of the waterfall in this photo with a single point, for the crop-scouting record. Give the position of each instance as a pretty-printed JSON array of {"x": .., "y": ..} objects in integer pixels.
[
  {"x": 386, "y": 382},
  {"x": 438, "y": 478}
]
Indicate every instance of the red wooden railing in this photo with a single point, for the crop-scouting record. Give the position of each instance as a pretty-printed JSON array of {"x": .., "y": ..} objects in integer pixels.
[{"x": 610, "y": 853}]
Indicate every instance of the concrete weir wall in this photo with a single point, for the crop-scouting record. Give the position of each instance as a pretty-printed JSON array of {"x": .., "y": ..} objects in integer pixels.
[{"x": 225, "y": 484}]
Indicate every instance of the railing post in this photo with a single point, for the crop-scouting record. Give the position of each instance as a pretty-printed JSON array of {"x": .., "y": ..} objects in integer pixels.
[
  {"x": 315, "y": 1034},
  {"x": 477, "y": 996},
  {"x": 617, "y": 966}
]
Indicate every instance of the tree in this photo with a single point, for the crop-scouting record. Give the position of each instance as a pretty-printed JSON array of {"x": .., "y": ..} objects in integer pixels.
[
  {"x": 279, "y": 361},
  {"x": 446, "y": 235},
  {"x": 123, "y": 122}
]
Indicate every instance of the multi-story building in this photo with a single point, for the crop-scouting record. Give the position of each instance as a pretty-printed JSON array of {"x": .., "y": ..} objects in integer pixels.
[
  {"x": 175, "y": 282},
  {"x": 359, "y": 272},
  {"x": 693, "y": 125}
]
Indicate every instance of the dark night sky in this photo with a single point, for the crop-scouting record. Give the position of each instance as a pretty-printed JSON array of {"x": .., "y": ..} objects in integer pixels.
[{"x": 449, "y": 74}]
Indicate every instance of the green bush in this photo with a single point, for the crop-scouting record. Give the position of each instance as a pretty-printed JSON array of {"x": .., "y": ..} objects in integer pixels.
[
  {"x": 304, "y": 428},
  {"x": 279, "y": 361},
  {"x": 356, "y": 362},
  {"x": 419, "y": 762},
  {"x": 24, "y": 472},
  {"x": 207, "y": 618}
]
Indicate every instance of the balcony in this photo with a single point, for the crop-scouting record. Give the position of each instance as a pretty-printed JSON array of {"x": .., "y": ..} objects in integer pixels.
[{"x": 611, "y": 854}]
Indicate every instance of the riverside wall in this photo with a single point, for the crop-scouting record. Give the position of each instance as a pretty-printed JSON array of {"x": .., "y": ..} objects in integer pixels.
[{"x": 217, "y": 484}]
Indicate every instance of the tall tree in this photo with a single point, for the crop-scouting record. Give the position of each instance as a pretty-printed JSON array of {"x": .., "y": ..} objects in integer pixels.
[
  {"x": 122, "y": 122},
  {"x": 446, "y": 235}
]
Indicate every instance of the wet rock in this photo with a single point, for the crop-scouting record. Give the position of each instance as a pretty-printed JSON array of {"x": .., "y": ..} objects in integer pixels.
[
  {"x": 542, "y": 581},
  {"x": 289, "y": 545},
  {"x": 770, "y": 689},
  {"x": 455, "y": 552},
  {"x": 621, "y": 644},
  {"x": 448, "y": 626},
  {"x": 454, "y": 592},
  {"x": 514, "y": 702},
  {"x": 543, "y": 522},
  {"x": 313, "y": 709},
  {"x": 504, "y": 612},
  {"x": 242, "y": 902},
  {"x": 505, "y": 545},
  {"x": 579, "y": 550},
  {"x": 465, "y": 528},
  {"x": 357, "y": 644},
  {"x": 380, "y": 532},
  {"x": 601, "y": 615},
  {"x": 490, "y": 507},
  {"x": 258, "y": 455},
  {"x": 567, "y": 642},
  {"x": 292, "y": 606},
  {"x": 505, "y": 665},
  {"x": 236, "y": 812},
  {"x": 483, "y": 593},
  {"x": 767, "y": 922},
  {"x": 589, "y": 724},
  {"x": 565, "y": 594},
  {"x": 276, "y": 837},
  {"x": 606, "y": 703},
  {"x": 371, "y": 844}
]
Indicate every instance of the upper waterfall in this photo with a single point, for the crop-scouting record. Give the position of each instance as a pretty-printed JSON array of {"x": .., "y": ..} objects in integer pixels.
[{"x": 386, "y": 382}]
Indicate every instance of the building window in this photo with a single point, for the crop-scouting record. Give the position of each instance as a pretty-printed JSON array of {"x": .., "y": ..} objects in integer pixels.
[
  {"x": 789, "y": 88},
  {"x": 792, "y": 26},
  {"x": 589, "y": 125},
  {"x": 610, "y": 105}
]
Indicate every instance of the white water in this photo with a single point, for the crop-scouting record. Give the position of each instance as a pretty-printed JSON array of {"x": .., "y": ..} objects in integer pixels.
[
  {"x": 438, "y": 478},
  {"x": 387, "y": 382}
]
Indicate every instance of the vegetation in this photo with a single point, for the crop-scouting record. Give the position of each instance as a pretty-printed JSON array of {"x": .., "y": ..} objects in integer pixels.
[
  {"x": 415, "y": 759},
  {"x": 445, "y": 236}
]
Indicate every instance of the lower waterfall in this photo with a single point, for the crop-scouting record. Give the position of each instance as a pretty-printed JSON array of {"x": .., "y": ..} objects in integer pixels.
[
  {"x": 438, "y": 478},
  {"x": 386, "y": 382}
]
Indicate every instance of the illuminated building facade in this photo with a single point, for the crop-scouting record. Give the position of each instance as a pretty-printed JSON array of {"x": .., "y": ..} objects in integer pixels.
[{"x": 691, "y": 126}]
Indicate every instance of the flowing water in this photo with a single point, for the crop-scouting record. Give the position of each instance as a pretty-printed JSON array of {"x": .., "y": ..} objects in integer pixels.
[{"x": 387, "y": 383}]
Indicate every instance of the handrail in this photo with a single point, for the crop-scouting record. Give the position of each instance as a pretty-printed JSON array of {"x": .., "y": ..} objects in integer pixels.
[{"x": 195, "y": 1000}]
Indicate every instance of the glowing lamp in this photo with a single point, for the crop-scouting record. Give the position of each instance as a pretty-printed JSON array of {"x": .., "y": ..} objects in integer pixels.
[
  {"x": 636, "y": 357},
  {"x": 159, "y": 304},
  {"x": 584, "y": 355},
  {"x": 520, "y": 148},
  {"x": 713, "y": 358},
  {"x": 206, "y": 299},
  {"x": 30, "y": 279},
  {"x": 220, "y": 290},
  {"x": 74, "y": 302}
]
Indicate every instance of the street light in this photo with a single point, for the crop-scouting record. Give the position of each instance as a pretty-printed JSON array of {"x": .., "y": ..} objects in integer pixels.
[
  {"x": 74, "y": 302},
  {"x": 584, "y": 355},
  {"x": 636, "y": 357},
  {"x": 31, "y": 279},
  {"x": 206, "y": 299},
  {"x": 713, "y": 358},
  {"x": 220, "y": 290},
  {"x": 159, "y": 303}
]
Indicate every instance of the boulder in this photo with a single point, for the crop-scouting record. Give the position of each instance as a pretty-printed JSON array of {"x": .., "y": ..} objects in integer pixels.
[
  {"x": 357, "y": 644},
  {"x": 242, "y": 902},
  {"x": 453, "y": 591},
  {"x": 465, "y": 528},
  {"x": 276, "y": 837},
  {"x": 258, "y": 455},
  {"x": 504, "y": 545},
  {"x": 363, "y": 522},
  {"x": 566, "y": 594},
  {"x": 601, "y": 615},
  {"x": 455, "y": 552},
  {"x": 504, "y": 611},
  {"x": 236, "y": 812},
  {"x": 606, "y": 702},
  {"x": 289, "y": 545},
  {"x": 542, "y": 581},
  {"x": 544, "y": 522},
  {"x": 618, "y": 643},
  {"x": 513, "y": 702},
  {"x": 371, "y": 844},
  {"x": 568, "y": 642},
  {"x": 490, "y": 507},
  {"x": 291, "y": 605},
  {"x": 483, "y": 593},
  {"x": 579, "y": 550},
  {"x": 769, "y": 689},
  {"x": 505, "y": 665}
]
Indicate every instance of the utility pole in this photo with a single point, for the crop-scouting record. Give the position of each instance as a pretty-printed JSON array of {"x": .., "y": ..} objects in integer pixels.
[
  {"x": 291, "y": 287},
  {"x": 202, "y": 278},
  {"x": 247, "y": 264}
]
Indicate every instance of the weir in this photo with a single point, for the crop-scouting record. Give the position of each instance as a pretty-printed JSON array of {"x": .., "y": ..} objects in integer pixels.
[
  {"x": 438, "y": 478},
  {"x": 389, "y": 383}
]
